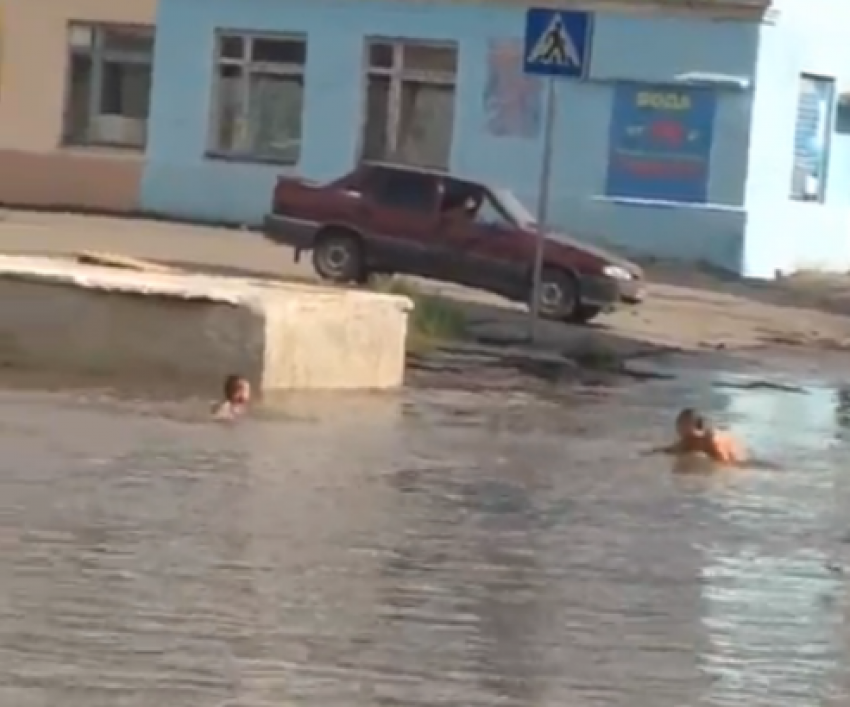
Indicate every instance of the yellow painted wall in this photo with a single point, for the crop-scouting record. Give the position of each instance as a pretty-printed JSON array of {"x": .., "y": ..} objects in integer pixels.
[
  {"x": 34, "y": 168},
  {"x": 35, "y": 58}
]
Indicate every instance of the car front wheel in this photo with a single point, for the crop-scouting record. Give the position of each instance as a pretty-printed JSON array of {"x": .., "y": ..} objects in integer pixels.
[
  {"x": 557, "y": 296},
  {"x": 338, "y": 257}
]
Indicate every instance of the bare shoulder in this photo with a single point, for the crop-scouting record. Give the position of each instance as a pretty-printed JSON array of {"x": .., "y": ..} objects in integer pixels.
[
  {"x": 726, "y": 446},
  {"x": 721, "y": 436}
]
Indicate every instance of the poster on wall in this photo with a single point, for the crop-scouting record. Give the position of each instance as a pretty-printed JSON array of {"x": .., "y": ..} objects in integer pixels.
[
  {"x": 811, "y": 137},
  {"x": 660, "y": 142},
  {"x": 513, "y": 104}
]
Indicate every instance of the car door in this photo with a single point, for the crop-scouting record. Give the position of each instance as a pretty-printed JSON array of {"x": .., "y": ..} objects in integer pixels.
[
  {"x": 400, "y": 215},
  {"x": 485, "y": 249}
]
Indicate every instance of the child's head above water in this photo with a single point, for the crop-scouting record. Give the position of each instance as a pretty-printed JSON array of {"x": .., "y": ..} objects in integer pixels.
[
  {"x": 237, "y": 390},
  {"x": 690, "y": 423}
]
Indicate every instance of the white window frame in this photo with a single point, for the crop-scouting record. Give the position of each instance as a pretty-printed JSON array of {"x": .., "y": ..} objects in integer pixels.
[
  {"x": 99, "y": 55},
  {"x": 248, "y": 67},
  {"x": 398, "y": 75}
]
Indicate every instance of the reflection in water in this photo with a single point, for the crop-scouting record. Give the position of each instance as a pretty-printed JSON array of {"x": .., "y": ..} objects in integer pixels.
[
  {"x": 842, "y": 412},
  {"x": 445, "y": 549},
  {"x": 789, "y": 648},
  {"x": 769, "y": 420},
  {"x": 772, "y": 565}
]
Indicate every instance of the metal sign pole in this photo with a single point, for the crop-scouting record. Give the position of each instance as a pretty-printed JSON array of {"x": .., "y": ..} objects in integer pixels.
[{"x": 542, "y": 206}]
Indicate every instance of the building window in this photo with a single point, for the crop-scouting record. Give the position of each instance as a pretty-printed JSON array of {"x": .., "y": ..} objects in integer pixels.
[
  {"x": 815, "y": 108},
  {"x": 109, "y": 85},
  {"x": 410, "y": 97},
  {"x": 259, "y": 97}
]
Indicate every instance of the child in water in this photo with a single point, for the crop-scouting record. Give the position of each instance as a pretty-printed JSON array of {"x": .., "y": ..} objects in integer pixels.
[
  {"x": 237, "y": 395},
  {"x": 697, "y": 437}
]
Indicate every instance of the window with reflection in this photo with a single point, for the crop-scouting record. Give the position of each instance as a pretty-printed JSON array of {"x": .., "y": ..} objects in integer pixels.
[
  {"x": 107, "y": 98},
  {"x": 259, "y": 97},
  {"x": 409, "y": 101},
  {"x": 812, "y": 133}
]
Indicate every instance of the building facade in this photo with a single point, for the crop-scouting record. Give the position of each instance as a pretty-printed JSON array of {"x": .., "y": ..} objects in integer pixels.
[
  {"x": 798, "y": 183},
  {"x": 246, "y": 90},
  {"x": 715, "y": 134},
  {"x": 74, "y": 92}
]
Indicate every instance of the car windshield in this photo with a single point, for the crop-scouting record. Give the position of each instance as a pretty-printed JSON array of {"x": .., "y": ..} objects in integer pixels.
[{"x": 514, "y": 208}]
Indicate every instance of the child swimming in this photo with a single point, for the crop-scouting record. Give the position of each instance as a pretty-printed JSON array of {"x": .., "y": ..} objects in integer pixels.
[
  {"x": 696, "y": 437},
  {"x": 236, "y": 396}
]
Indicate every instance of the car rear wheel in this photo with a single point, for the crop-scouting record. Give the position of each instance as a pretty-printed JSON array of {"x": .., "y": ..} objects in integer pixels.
[
  {"x": 338, "y": 257},
  {"x": 558, "y": 295}
]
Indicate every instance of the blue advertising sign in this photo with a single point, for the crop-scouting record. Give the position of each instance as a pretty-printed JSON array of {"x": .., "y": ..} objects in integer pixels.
[{"x": 660, "y": 143}]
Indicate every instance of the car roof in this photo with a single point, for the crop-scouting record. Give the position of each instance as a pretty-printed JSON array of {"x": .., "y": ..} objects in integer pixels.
[{"x": 432, "y": 172}]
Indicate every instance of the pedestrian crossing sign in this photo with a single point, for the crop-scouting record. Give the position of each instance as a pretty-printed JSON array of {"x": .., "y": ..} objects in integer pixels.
[{"x": 557, "y": 43}]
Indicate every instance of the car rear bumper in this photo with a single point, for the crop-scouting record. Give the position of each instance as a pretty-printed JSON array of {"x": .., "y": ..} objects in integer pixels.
[
  {"x": 283, "y": 230},
  {"x": 608, "y": 292}
]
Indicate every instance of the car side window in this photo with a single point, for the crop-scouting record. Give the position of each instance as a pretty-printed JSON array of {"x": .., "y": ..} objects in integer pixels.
[
  {"x": 491, "y": 214},
  {"x": 404, "y": 190}
]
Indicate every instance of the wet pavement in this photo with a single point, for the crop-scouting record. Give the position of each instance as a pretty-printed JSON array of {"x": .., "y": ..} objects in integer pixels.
[{"x": 440, "y": 548}]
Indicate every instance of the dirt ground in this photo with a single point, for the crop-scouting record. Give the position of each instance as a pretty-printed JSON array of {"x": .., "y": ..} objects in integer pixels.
[{"x": 686, "y": 309}]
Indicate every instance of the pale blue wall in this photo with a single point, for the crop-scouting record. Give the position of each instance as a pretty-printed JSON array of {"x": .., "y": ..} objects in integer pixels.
[
  {"x": 180, "y": 181},
  {"x": 784, "y": 235}
]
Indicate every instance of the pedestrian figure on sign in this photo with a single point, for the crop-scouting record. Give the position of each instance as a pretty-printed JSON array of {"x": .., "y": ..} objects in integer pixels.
[{"x": 555, "y": 46}]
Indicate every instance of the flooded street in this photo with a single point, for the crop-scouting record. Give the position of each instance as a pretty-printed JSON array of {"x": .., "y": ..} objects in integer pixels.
[{"x": 443, "y": 548}]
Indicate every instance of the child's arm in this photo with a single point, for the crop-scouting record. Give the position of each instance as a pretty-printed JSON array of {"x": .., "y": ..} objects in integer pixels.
[
  {"x": 222, "y": 411},
  {"x": 674, "y": 448}
]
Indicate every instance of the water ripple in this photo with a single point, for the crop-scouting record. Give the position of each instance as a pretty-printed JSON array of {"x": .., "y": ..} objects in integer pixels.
[{"x": 441, "y": 549}]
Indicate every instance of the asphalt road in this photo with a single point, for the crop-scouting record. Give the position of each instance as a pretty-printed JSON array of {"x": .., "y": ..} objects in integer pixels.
[
  {"x": 199, "y": 246},
  {"x": 685, "y": 309},
  {"x": 228, "y": 251}
]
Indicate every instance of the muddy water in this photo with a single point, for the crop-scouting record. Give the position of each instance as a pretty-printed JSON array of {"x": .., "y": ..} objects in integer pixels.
[{"x": 443, "y": 549}]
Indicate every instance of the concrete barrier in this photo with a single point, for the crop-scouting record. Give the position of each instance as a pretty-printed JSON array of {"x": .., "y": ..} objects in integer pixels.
[{"x": 63, "y": 317}]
